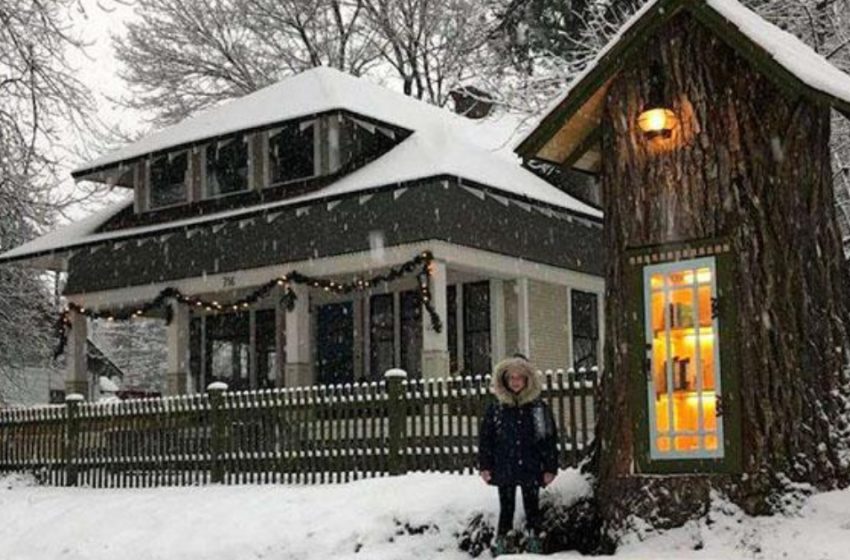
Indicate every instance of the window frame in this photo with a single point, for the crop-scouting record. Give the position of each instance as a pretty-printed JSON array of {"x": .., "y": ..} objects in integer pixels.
[
  {"x": 246, "y": 139},
  {"x": 572, "y": 332},
  {"x": 269, "y": 163},
  {"x": 187, "y": 175},
  {"x": 666, "y": 269}
]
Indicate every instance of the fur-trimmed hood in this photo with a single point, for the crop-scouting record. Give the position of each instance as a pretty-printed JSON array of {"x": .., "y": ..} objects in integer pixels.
[{"x": 499, "y": 385}]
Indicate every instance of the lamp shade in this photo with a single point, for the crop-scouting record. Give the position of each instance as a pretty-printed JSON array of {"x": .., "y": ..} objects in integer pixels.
[{"x": 657, "y": 122}]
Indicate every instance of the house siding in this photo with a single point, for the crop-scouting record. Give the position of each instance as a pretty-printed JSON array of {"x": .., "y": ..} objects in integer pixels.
[
  {"x": 548, "y": 326},
  {"x": 439, "y": 210}
]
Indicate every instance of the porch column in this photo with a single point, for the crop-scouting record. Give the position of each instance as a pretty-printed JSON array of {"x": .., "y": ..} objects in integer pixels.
[
  {"x": 435, "y": 345},
  {"x": 298, "y": 370},
  {"x": 76, "y": 369},
  {"x": 178, "y": 350}
]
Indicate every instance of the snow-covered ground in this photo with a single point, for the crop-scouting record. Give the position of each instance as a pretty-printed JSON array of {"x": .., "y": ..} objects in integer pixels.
[{"x": 362, "y": 520}]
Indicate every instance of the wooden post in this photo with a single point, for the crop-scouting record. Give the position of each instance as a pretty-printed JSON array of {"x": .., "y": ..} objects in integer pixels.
[
  {"x": 216, "y": 391},
  {"x": 72, "y": 437},
  {"x": 397, "y": 419}
]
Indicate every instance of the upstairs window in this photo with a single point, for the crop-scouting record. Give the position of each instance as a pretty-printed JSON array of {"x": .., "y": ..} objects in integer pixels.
[
  {"x": 168, "y": 180},
  {"x": 362, "y": 142},
  {"x": 227, "y": 166},
  {"x": 292, "y": 152}
]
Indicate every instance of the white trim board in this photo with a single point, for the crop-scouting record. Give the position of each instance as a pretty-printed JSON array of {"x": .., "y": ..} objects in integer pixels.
[{"x": 361, "y": 263}]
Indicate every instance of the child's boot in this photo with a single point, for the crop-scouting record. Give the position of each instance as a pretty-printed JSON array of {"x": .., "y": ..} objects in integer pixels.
[
  {"x": 533, "y": 543},
  {"x": 500, "y": 546}
]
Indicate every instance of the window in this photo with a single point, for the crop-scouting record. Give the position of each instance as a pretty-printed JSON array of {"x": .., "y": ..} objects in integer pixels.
[
  {"x": 381, "y": 335},
  {"x": 362, "y": 142},
  {"x": 266, "y": 348},
  {"x": 411, "y": 334},
  {"x": 228, "y": 349},
  {"x": 584, "y": 310},
  {"x": 291, "y": 152},
  {"x": 476, "y": 328},
  {"x": 335, "y": 343},
  {"x": 168, "y": 180},
  {"x": 227, "y": 166},
  {"x": 683, "y": 384},
  {"x": 220, "y": 349},
  {"x": 451, "y": 326}
]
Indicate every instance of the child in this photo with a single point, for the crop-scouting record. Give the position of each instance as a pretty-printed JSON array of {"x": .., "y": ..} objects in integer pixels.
[{"x": 517, "y": 447}]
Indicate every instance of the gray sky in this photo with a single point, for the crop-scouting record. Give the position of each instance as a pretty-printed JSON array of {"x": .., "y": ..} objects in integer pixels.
[{"x": 95, "y": 21}]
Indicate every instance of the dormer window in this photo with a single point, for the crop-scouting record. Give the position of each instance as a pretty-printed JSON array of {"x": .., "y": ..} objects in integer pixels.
[
  {"x": 362, "y": 141},
  {"x": 292, "y": 152},
  {"x": 227, "y": 166},
  {"x": 168, "y": 175}
]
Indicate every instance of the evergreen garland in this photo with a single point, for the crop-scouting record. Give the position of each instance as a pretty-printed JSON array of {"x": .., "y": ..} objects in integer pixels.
[{"x": 422, "y": 262}]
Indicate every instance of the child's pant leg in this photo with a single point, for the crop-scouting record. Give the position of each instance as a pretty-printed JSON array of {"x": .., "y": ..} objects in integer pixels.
[
  {"x": 507, "y": 498},
  {"x": 531, "y": 504}
]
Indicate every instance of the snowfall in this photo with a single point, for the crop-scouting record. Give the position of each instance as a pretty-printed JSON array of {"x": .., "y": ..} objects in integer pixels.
[{"x": 366, "y": 519}]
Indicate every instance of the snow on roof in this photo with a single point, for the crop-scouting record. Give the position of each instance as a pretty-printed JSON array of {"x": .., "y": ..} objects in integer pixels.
[
  {"x": 442, "y": 143},
  {"x": 107, "y": 385},
  {"x": 418, "y": 156},
  {"x": 312, "y": 92},
  {"x": 785, "y": 49}
]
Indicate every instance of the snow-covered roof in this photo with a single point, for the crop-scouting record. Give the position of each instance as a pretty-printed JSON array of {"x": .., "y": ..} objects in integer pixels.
[
  {"x": 315, "y": 91},
  {"x": 780, "y": 48},
  {"x": 442, "y": 143}
]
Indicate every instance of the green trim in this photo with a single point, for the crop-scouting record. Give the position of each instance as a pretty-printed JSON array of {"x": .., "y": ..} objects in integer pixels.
[
  {"x": 621, "y": 53},
  {"x": 617, "y": 56},
  {"x": 594, "y": 137},
  {"x": 729, "y": 374}
]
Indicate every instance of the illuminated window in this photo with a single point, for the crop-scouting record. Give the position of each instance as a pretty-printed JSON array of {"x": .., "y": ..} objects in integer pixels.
[{"x": 683, "y": 383}]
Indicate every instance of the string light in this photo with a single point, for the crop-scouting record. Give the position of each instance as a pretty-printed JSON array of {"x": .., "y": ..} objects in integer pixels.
[{"x": 423, "y": 261}]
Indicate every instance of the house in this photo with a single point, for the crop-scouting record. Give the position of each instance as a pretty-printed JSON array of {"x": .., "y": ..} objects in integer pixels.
[
  {"x": 41, "y": 380},
  {"x": 293, "y": 237}
]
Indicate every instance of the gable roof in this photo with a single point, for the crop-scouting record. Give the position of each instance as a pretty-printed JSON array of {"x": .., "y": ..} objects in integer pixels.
[{"x": 780, "y": 55}]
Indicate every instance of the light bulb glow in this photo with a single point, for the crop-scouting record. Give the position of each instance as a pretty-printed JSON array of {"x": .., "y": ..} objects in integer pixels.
[{"x": 657, "y": 122}]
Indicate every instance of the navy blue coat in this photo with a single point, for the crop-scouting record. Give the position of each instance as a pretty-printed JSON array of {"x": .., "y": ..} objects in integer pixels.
[{"x": 517, "y": 444}]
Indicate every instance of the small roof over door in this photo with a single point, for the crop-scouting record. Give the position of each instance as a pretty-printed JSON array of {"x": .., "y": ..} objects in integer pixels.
[{"x": 567, "y": 134}]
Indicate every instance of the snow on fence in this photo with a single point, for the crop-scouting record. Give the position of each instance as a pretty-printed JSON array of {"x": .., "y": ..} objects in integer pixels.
[{"x": 319, "y": 434}]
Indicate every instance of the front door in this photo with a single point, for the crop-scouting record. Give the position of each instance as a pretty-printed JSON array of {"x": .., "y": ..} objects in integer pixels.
[{"x": 335, "y": 343}]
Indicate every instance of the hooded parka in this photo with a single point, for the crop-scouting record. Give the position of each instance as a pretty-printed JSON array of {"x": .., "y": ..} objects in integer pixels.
[{"x": 518, "y": 437}]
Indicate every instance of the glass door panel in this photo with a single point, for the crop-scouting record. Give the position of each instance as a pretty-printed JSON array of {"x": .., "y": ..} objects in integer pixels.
[{"x": 683, "y": 378}]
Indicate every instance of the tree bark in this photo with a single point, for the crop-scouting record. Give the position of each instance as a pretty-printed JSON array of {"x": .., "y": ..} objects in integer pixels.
[{"x": 748, "y": 162}]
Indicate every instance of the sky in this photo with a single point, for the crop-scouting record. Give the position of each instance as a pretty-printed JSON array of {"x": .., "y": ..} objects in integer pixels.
[{"x": 96, "y": 21}]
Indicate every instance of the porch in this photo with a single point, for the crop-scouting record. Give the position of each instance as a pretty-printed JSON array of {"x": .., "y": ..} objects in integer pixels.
[{"x": 490, "y": 305}]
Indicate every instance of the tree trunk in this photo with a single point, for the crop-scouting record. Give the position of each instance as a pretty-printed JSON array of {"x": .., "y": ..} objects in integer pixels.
[{"x": 748, "y": 163}]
